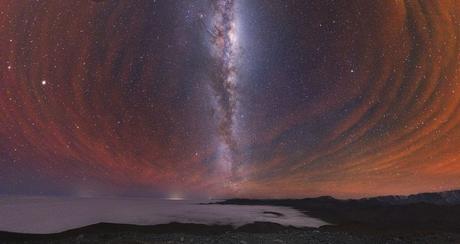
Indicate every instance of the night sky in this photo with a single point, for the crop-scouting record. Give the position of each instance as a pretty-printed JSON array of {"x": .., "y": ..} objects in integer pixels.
[{"x": 224, "y": 98}]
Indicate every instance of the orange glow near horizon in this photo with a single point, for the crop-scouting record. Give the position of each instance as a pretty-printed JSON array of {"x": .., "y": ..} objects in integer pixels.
[{"x": 359, "y": 99}]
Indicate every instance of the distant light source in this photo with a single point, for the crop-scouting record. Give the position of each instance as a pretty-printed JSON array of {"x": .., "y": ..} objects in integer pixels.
[{"x": 176, "y": 197}]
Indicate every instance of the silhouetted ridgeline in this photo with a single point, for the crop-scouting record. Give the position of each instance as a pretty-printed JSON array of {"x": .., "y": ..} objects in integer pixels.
[
  {"x": 419, "y": 212},
  {"x": 440, "y": 198}
]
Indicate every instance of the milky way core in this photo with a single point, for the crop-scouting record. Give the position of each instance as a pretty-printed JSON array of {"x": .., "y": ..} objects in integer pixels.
[{"x": 217, "y": 98}]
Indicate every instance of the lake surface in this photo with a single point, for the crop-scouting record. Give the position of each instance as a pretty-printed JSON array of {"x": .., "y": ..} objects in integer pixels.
[{"x": 53, "y": 214}]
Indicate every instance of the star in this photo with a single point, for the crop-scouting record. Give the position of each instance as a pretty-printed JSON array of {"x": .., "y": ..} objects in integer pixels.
[{"x": 303, "y": 95}]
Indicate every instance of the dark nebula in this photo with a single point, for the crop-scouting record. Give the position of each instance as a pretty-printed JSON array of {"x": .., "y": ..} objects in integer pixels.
[{"x": 229, "y": 97}]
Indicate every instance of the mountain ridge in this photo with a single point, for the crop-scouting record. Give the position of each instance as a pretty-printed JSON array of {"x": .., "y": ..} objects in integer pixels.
[
  {"x": 451, "y": 197},
  {"x": 438, "y": 211}
]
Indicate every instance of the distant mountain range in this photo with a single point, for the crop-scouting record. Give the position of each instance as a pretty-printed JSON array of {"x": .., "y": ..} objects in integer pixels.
[
  {"x": 419, "y": 212},
  {"x": 435, "y": 198},
  {"x": 439, "y": 198}
]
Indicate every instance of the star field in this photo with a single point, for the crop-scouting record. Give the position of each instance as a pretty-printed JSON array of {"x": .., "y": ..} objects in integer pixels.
[{"x": 229, "y": 97}]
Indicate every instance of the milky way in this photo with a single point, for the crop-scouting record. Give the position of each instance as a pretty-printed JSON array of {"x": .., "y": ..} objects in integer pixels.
[
  {"x": 224, "y": 48},
  {"x": 229, "y": 97}
]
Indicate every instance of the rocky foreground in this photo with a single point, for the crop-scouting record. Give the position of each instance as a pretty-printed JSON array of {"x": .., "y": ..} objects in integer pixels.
[{"x": 251, "y": 233}]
